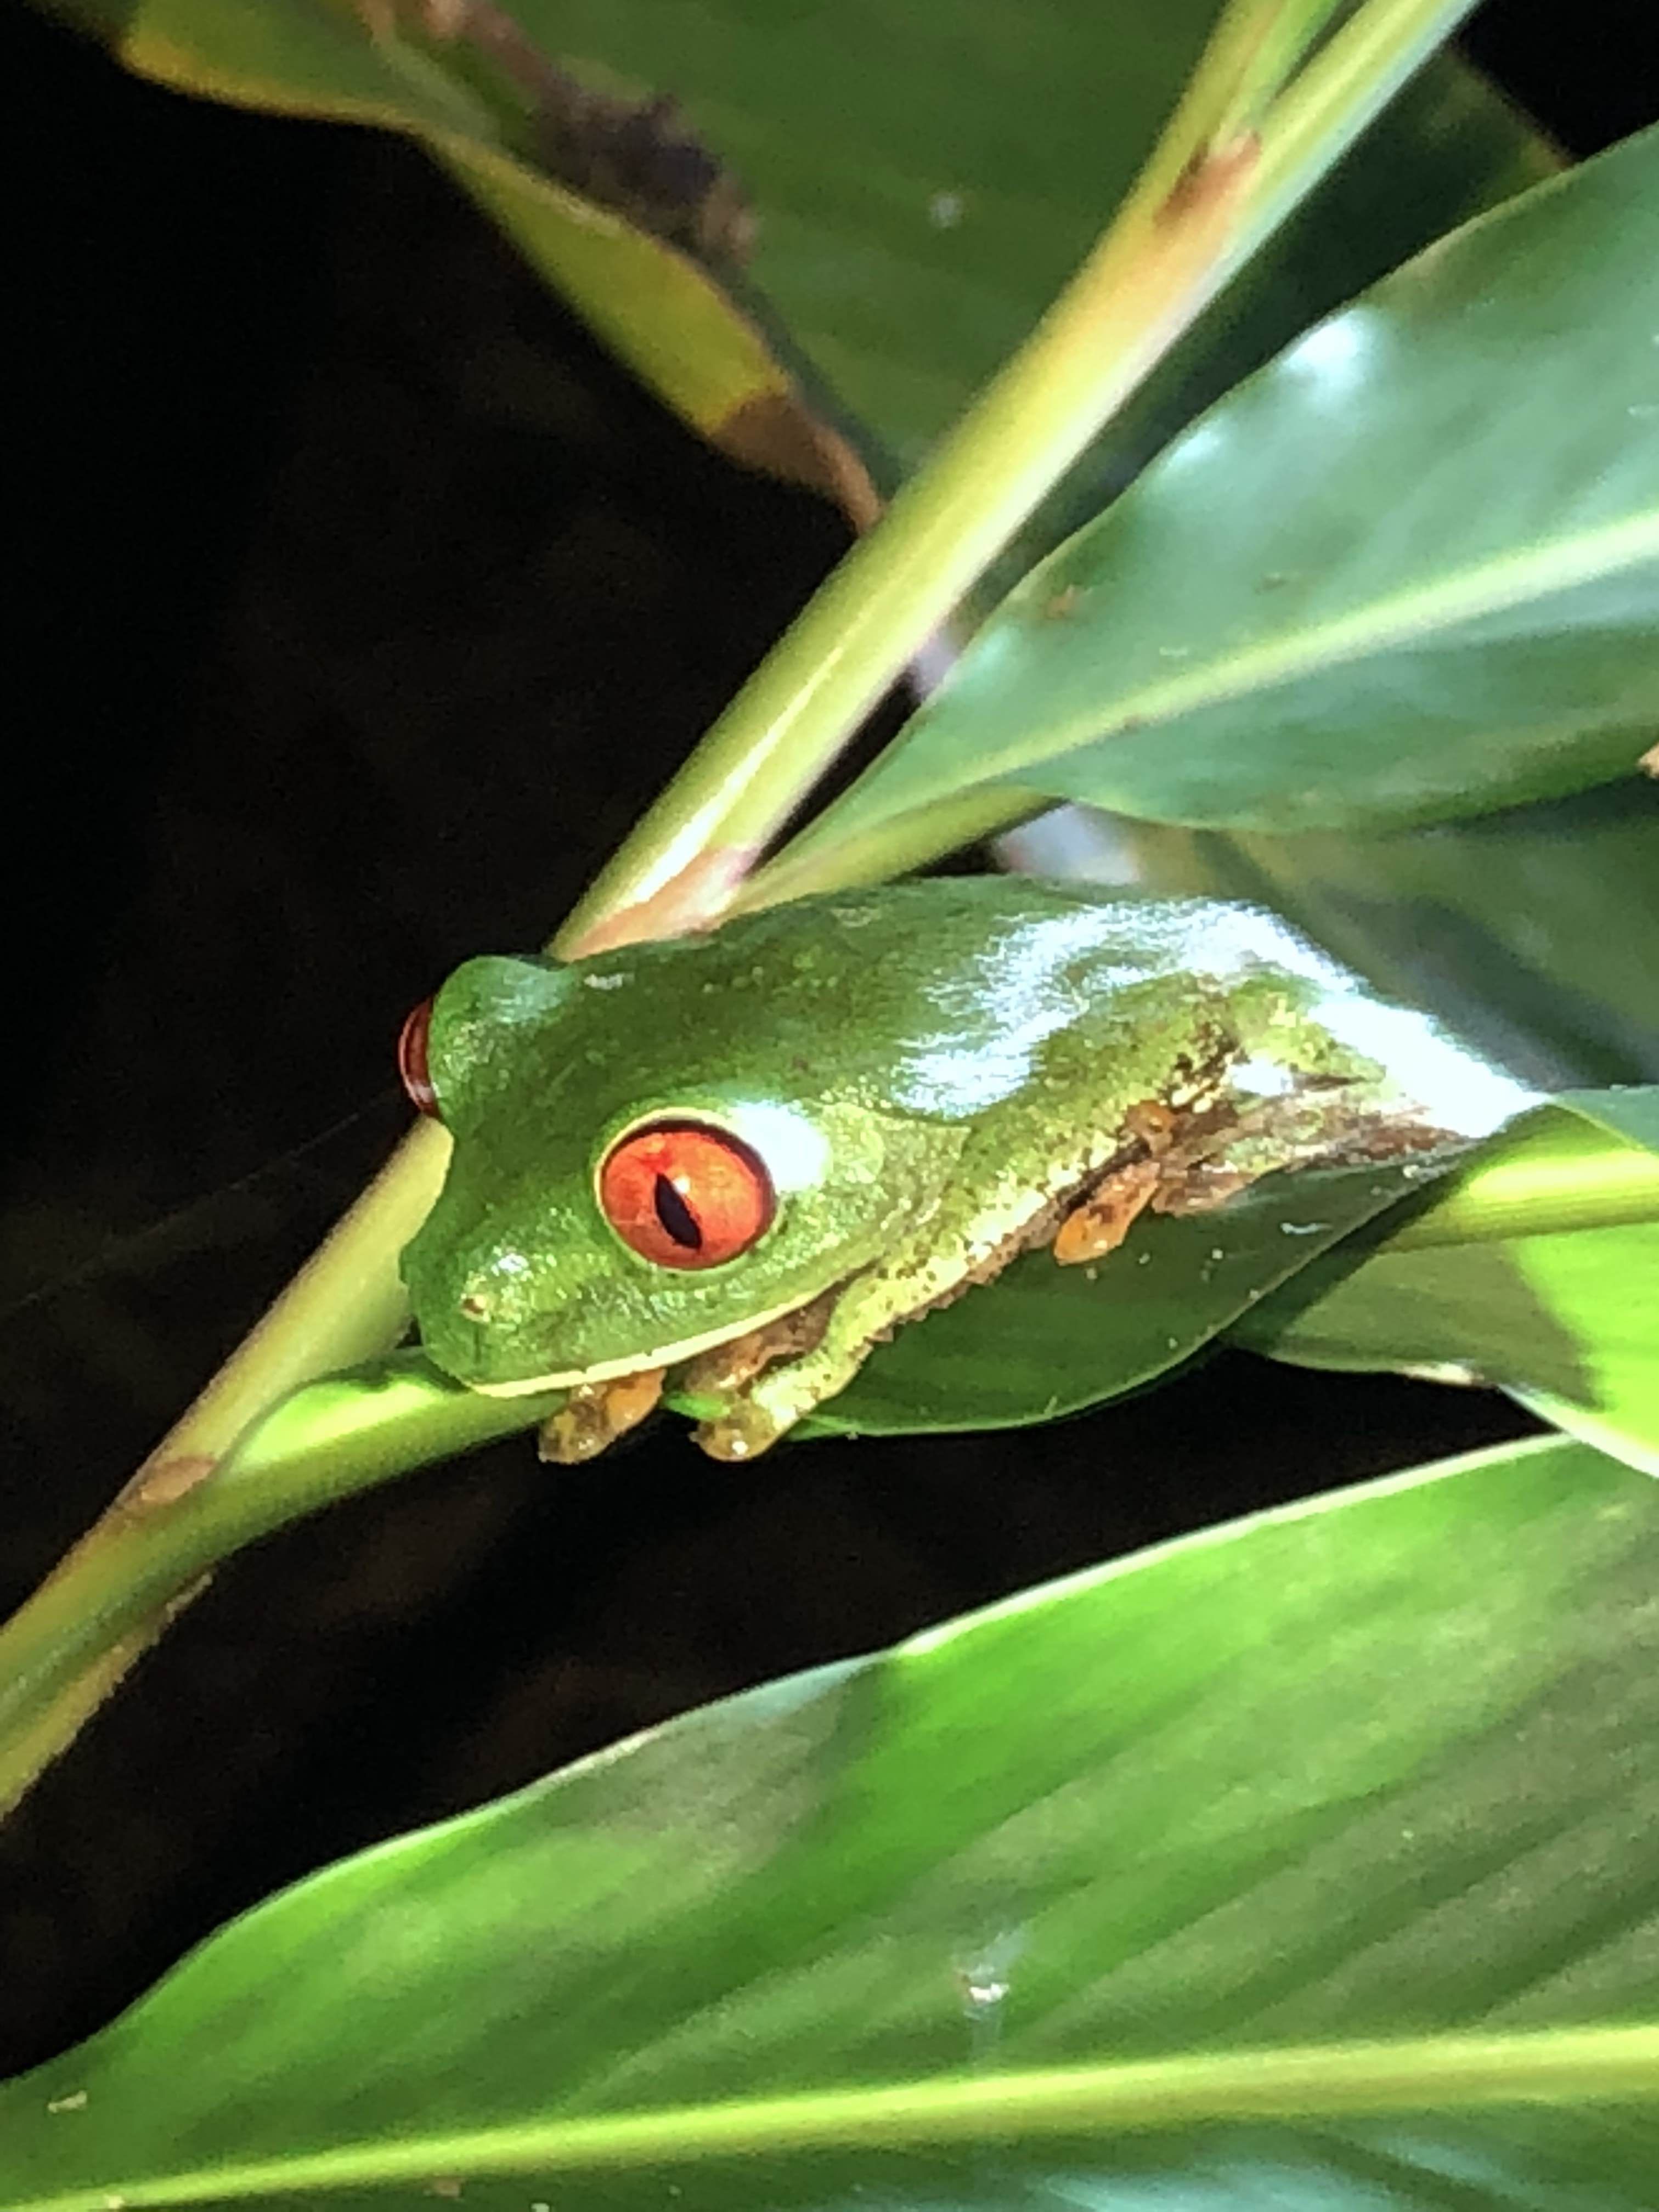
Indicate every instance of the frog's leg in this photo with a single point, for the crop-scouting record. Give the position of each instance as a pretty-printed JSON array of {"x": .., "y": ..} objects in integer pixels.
[
  {"x": 992, "y": 1213},
  {"x": 729, "y": 1367},
  {"x": 1101, "y": 1220},
  {"x": 1320, "y": 1122},
  {"x": 763, "y": 1405}
]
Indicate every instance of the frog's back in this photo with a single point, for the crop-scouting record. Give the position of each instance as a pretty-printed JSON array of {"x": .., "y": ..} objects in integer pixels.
[
  {"x": 941, "y": 996},
  {"x": 951, "y": 942},
  {"x": 1013, "y": 931}
]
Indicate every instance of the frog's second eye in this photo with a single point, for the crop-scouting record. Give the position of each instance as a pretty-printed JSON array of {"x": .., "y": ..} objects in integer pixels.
[
  {"x": 411, "y": 1060},
  {"x": 685, "y": 1195}
]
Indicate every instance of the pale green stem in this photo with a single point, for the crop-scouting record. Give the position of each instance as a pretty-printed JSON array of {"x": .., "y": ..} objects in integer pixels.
[
  {"x": 892, "y": 847},
  {"x": 63, "y": 1652},
  {"x": 110, "y": 1596},
  {"x": 1131, "y": 298},
  {"x": 1563, "y": 1175},
  {"x": 1252, "y": 52}
]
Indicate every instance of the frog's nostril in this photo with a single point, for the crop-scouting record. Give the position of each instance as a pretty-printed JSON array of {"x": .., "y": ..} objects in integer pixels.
[{"x": 476, "y": 1305}]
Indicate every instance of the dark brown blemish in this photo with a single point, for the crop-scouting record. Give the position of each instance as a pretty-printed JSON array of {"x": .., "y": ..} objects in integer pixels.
[
  {"x": 641, "y": 159},
  {"x": 778, "y": 434}
]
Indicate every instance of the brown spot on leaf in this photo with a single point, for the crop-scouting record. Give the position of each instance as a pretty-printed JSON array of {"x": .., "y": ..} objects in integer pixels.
[
  {"x": 778, "y": 434},
  {"x": 640, "y": 159}
]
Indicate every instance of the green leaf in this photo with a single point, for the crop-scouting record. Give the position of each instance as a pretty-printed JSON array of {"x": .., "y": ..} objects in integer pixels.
[
  {"x": 910, "y": 228},
  {"x": 1567, "y": 1320},
  {"x": 1044, "y": 1340},
  {"x": 1545, "y": 1244},
  {"x": 658, "y": 304},
  {"x": 1261, "y": 1869},
  {"x": 1410, "y": 571},
  {"x": 1631, "y": 1113}
]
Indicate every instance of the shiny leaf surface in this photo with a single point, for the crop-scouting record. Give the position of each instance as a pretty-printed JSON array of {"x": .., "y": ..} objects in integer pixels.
[
  {"x": 1532, "y": 933},
  {"x": 1409, "y": 572},
  {"x": 1044, "y": 1340},
  {"x": 1569, "y": 1320},
  {"x": 1132, "y": 1876},
  {"x": 1535, "y": 1266}
]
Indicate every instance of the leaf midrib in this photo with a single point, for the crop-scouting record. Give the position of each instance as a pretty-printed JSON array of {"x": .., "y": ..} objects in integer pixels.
[
  {"x": 1441, "y": 604},
  {"x": 1449, "y": 2073}
]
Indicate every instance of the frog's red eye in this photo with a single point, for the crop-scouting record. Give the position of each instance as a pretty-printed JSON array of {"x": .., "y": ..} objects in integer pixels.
[
  {"x": 685, "y": 1195},
  {"x": 411, "y": 1060}
]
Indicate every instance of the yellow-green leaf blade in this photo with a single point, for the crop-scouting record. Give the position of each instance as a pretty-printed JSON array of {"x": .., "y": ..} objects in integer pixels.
[
  {"x": 1366, "y": 1771},
  {"x": 1501, "y": 1284}
]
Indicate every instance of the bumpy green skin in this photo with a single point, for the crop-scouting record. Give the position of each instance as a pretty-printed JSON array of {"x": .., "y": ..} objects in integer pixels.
[{"x": 926, "y": 1068}]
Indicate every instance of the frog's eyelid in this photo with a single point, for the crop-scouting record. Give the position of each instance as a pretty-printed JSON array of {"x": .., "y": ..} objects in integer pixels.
[{"x": 412, "y": 1068}]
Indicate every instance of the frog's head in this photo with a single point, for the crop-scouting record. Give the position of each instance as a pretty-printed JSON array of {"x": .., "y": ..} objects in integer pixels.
[{"x": 637, "y": 1175}]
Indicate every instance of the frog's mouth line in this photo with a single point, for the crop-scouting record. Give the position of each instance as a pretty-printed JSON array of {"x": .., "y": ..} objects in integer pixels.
[{"x": 664, "y": 1355}]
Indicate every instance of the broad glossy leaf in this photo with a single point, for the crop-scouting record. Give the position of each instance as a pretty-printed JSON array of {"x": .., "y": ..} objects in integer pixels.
[
  {"x": 910, "y": 227},
  {"x": 906, "y": 1930},
  {"x": 1044, "y": 1340},
  {"x": 1316, "y": 1267},
  {"x": 1410, "y": 571},
  {"x": 1569, "y": 1322}
]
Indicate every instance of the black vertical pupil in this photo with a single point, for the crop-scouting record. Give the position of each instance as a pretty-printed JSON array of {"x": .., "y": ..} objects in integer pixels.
[{"x": 675, "y": 1215}]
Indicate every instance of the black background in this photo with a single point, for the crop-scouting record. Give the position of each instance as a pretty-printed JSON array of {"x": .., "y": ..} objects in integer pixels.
[{"x": 361, "y": 604}]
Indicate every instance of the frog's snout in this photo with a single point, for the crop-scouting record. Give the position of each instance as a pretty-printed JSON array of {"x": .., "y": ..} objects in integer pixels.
[
  {"x": 459, "y": 1325},
  {"x": 482, "y": 1318}
]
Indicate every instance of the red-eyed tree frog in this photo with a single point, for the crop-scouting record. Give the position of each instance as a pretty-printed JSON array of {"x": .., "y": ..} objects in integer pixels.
[{"x": 751, "y": 1155}]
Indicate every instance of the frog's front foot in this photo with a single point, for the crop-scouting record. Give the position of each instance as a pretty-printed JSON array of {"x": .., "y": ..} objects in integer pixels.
[
  {"x": 742, "y": 1423},
  {"x": 595, "y": 1414},
  {"x": 753, "y": 1383},
  {"x": 742, "y": 1420},
  {"x": 1101, "y": 1220},
  {"x": 1098, "y": 1223}
]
